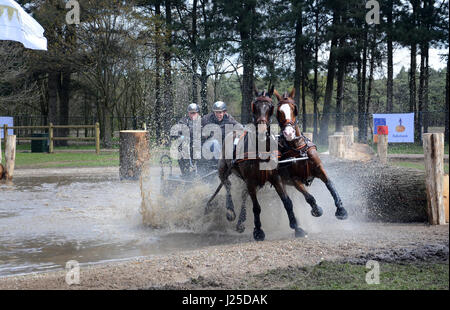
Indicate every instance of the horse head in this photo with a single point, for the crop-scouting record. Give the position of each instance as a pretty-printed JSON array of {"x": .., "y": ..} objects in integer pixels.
[
  {"x": 262, "y": 106},
  {"x": 287, "y": 114}
]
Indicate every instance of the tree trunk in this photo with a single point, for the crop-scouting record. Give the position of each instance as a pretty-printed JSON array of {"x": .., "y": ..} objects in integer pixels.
[
  {"x": 339, "y": 94},
  {"x": 168, "y": 116},
  {"x": 134, "y": 152},
  {"x": 194, "y": 52},
  {"x": 420, "y": 94},
  {"x": 369, "y": 86},
  {"x": 390, "y": 64},
  {"x": 316, "y": 69},
  {"x": 53, "y": 80},
  {"x": 362, "y": 133},
  {"x": 248, "y": 62},
  {"x": 156, "y": 115},
  {"x": 64, "y": 95},
  {"x": 425, "y": 90},
  {"x": 324, "y": 124},
  {"x": 298, "y": 73}
]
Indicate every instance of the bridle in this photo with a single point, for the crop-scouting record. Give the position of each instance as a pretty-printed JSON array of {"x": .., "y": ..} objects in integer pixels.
[
  {"x": 291, "y": 122},
  {"x": 262, "y": 98}
]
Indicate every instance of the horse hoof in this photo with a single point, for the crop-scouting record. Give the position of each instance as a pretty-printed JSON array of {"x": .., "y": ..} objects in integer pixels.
[
  {"x": 317, "y": 211},
  {"x": 231, "y": 215},
  {"x": 300, "y": 233},
  {"x": 240, "y": 228},
  {"x": 341, "y": 213},
  {"x": 258, "y": 234}
]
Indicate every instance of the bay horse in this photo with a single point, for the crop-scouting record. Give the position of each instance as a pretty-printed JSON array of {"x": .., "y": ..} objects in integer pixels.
[
  {"x": 294, "y": 144},
  {"x": 254, "y": 178}
]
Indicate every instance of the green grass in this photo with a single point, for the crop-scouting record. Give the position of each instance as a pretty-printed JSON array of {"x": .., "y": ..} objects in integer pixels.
[
  {"x": 414, "y": 165},
  {"x": 55, "y": 160},
  {"x": 346, "y": 276},
  {"x": 405, "y": 148}
]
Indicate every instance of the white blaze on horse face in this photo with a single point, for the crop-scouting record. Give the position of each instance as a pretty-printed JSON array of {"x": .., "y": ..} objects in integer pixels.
[
  {"x": 289, "y": 133},
  {"x": 286, "y": 109}
]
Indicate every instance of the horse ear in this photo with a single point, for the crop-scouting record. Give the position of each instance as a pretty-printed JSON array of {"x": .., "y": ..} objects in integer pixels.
[
  {"x": 292, "y": 93},
  {"x": 277, "y": 95},
  {"x": 255, "y": 90},
  {"x": 271, "y": 90}
]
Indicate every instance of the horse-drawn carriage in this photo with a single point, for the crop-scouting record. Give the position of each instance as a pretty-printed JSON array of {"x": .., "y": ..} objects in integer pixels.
[{"x": 200, "y": 171}]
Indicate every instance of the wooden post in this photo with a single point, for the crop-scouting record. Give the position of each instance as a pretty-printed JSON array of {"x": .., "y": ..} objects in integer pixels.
[
  {"x": 5, "y": 133},
  {"x": 134, "y": 152},
  {"x": 446, "y": 196},
  {"x": 308, "y": 135},
  {"x": 348, "y": 131},
  {"x": 97, "y": 138},
  {"x": 10, "y": 156},
  {"x": 2, "y": 170},
  {"x": 382, "y": 148},
  {"x": 50, "y": 137},
  {"x": 336, "y": 146},
  {"x": 433, "y": 147}
]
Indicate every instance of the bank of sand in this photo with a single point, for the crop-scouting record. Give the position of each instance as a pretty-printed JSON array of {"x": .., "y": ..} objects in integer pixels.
[{"x": 230, "y": 266}]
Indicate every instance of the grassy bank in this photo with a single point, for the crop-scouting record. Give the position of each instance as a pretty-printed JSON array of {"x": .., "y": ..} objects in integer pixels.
[
  {"x": 347, "y": 276},
  {"x": 405, "y": 148},
  {"x": 414, "y": 165}
]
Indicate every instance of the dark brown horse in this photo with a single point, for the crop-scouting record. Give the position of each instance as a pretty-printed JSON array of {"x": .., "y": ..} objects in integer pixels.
[
  {"x": 294, "y": 144},
  {"x": 254, "y": 178}
]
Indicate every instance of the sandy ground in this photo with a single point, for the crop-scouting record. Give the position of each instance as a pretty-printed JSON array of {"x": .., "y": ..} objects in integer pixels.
[{"x": 228, "y": 266}]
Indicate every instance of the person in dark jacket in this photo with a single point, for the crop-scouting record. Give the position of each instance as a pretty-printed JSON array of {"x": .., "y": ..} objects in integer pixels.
[
  {"x": 193, "y": 115},
  {"x": 220, "y": 117}
]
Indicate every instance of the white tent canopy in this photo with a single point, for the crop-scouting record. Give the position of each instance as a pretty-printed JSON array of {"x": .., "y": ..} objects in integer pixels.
[{"x": 17, "y": 25}]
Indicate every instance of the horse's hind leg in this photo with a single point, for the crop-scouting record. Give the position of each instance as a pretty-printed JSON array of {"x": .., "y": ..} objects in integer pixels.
[
  {"x": 240, "y": 227},
  {"x": 319, "y": 172},
  {"x": 287, "y": 202},
  {"x": 315, "y": 209},
  {"x": 231, "y": 215}
]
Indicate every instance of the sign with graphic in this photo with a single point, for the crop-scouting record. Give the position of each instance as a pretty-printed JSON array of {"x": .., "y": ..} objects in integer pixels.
[
  {"x": 400, "y": 126},
  {"x": 8, "y": 121}
]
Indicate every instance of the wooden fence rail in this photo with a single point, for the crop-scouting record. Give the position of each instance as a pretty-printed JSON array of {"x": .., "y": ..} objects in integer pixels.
[{"x": 51, "y": 137}]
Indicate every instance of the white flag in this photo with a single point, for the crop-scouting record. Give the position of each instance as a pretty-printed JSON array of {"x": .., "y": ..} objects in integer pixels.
[{"x": 17, "y": 25}]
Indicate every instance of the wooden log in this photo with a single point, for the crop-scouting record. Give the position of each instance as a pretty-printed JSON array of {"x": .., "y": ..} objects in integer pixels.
[
  {"x": 376, "y": 192},
  {"x": 433, "y": 147},
  {"x": 2, "y": 169},
  {"x": 10, "y": 157},
  {"x": 348, "y": 132},
  {"x": 336, "y": 146},
  {"x": 382, "y": 148},
  {"x": 134, "y": 152},
  {"x": 446, "y": 199}
]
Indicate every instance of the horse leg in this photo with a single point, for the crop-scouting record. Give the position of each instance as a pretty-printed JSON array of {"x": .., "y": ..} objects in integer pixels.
[
  {"x": 319, "y": 172},
  {"x": 315, "y": 209},
  {"x": 287, "y": 202},
  {"x": 258, "y": 233},
  {"x": 240, "y": 227},
  {"x": 231, "y": 215}
]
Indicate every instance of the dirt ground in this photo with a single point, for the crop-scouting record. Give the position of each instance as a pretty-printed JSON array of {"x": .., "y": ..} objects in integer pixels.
[{"x": 231, "y": 266}]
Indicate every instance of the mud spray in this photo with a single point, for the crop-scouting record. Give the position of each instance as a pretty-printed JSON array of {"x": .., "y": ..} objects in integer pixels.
[{"x": 183, "y": 210}]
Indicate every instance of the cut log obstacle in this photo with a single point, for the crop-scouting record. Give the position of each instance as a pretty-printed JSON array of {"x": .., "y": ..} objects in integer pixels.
[
  {"x": 378, "y": 192},
  {"x": 10, "y": 157},
  {"x": 336, "y": 145},
  {"x": 433, "y": 147},
  {"x": 349, "y": 135},
  {"x": 134, "y": 152}
]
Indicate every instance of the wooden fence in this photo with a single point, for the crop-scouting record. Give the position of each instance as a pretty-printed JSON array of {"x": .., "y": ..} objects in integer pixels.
[{"x": 52, "y": 138}]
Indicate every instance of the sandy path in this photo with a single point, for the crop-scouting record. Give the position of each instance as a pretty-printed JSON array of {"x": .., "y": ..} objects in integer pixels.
[{"x": 229, "y": 263}]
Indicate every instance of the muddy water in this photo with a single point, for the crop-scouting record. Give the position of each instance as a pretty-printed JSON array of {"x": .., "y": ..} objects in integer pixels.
[
  {"x": 48, "y": 220},
  {"x": 90, "y": 216}
]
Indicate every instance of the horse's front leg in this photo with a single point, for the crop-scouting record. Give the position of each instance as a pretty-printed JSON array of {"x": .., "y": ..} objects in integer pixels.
[
  {"x": 319, "y": 172},
  {"x": 258, "y": 233},
  {"x": 287, "y": 202},
  {"x": 315, "y": 209},
  {"x": 240, "y": 227}
]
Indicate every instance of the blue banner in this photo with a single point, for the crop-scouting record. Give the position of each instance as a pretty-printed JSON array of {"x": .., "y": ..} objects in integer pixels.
[
  {"x": 8, "y": 121},
  {"x": 400, "y": 126}
]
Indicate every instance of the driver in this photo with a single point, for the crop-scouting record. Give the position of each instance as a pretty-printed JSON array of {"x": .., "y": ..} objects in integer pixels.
[
  {"x": 193, "y": 114},
  {"x": 218, "y": 116}
]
